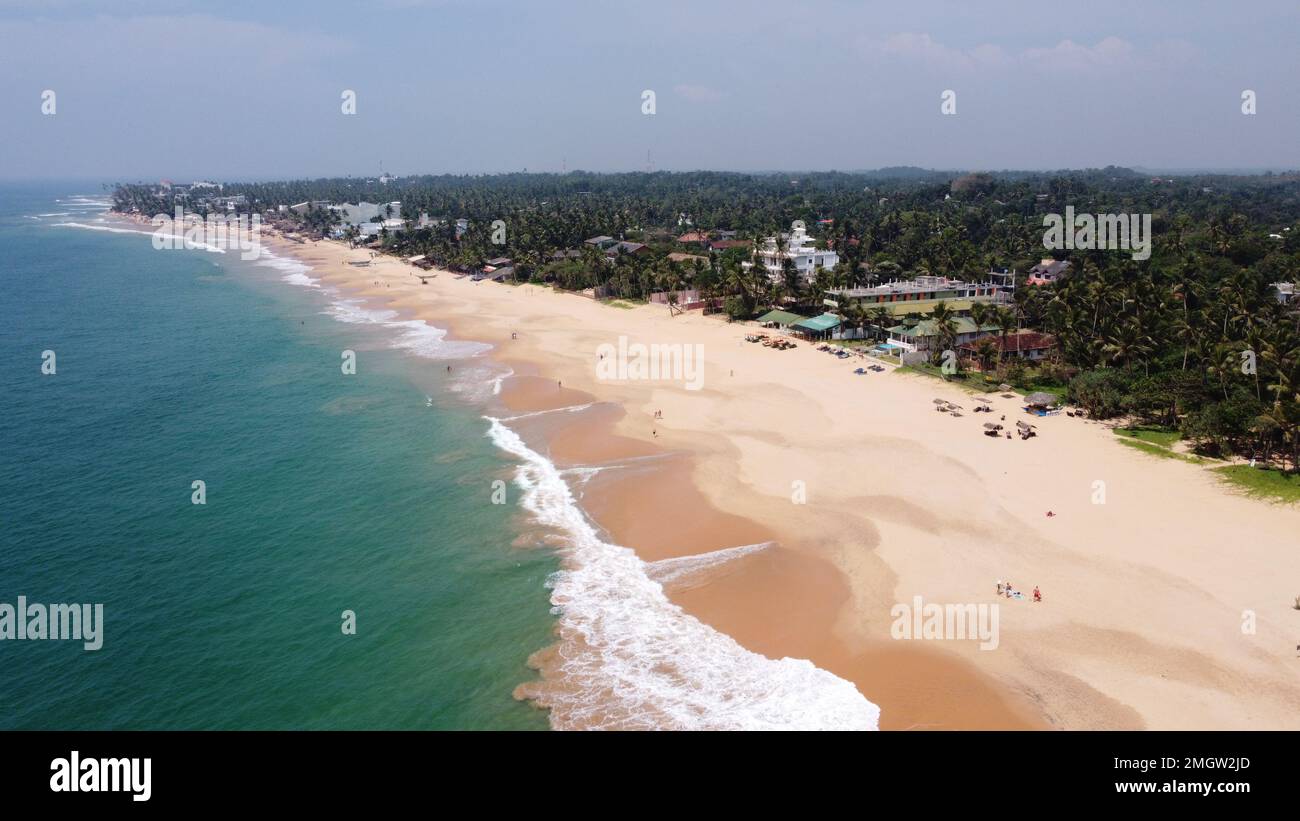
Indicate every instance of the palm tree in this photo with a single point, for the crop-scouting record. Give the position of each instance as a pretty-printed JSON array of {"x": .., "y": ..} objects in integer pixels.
[
  {"x": 945, "y": 327},
  {"x": 1005, "y": 319},
  {"x": 1128, "y": 343},
  {"x": 987, "y": 351},
  {"x": 882, "y": 319}
]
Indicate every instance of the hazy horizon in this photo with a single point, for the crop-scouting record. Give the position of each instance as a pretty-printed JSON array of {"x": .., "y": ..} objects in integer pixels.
[
  {"x": 1173, "y": 172},
  {"x": 145, "y": 90}
]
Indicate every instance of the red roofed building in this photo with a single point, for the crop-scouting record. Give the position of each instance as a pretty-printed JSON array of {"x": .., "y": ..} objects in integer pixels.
[
  {"x": 694, "y": 236},
  {"x": 724, "y": 244},
  {"x": 1024, "y": 345}
]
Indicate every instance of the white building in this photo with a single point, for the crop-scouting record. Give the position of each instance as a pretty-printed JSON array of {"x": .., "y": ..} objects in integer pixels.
[
  {"x": 800, "y": 250},
  {"x": 358, "y": 214}
]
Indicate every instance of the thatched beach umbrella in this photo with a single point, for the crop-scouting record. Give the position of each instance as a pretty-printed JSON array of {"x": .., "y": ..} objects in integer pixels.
[
  {"x": 991, "y": 426},
  {"x": 1041, "y": 399},
  {"x": 1004, "y": 387},
  {"x": 941, "y": 401}
]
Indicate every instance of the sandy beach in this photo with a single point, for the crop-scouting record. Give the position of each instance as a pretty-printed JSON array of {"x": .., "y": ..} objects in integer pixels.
[{"x": 1167, "y": 606}]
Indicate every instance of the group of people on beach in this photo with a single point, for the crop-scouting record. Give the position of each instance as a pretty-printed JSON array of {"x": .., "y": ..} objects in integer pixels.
[{"x": 1006, "y": 589}]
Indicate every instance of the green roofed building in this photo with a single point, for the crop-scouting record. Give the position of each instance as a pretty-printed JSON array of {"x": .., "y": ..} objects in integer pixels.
[
  {"x": 783, "y": 318},
  {"x": 922, "y": 335},
  {"x": 818, "y": 325}
]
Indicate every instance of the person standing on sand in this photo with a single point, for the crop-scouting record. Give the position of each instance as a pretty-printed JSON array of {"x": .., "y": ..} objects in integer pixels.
[{"x": 1038, "y": 597}]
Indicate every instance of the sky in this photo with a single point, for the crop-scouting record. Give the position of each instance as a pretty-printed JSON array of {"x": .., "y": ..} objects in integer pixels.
[{"x": 242, "y": 90}]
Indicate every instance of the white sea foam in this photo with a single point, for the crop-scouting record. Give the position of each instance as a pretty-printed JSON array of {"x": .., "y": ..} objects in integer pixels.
[
  {"x": 496, "y": 383},
  {"x": 669, "y": 571},
  {"x": 565, "y": 409},
  {"x": 86, "y": 203},
  {"x": 640, "y": 661},
  {"x": 293, "y": 271},
  {"x": 108, "y": 228},
  {"x": 414, "y": 335},
  {"x": 476, "y": 381},
  {"x": 583, "y": 475},
  {"x": 189, "y": 243}
]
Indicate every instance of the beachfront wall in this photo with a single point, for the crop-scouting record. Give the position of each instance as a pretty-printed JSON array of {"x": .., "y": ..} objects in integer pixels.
[{"x": 686, "y": 300}]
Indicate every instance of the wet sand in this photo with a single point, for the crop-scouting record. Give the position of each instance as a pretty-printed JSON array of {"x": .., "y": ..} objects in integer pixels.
[
  {"x": 777, "y": 601},
  {"x": 1143, "y": 595}
]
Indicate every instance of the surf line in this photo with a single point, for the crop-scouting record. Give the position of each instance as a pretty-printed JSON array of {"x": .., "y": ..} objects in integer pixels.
[
  {"x": 569, "y": 408},
  {"x": 677, "y": 568}
]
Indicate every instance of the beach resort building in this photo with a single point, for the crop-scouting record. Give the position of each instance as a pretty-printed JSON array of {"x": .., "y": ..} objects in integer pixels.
[
  {"x": 922, "y": 289},
  {"x": 924, "y": 335},
  {"x": 815, "y": 327},
  {"x": 358, "y": 214},
  {"x": 1027, "y": 345},
  {"x": 800, "y": 250},
  {"x": 1285, "y": 292},
  {"x": 920, "y": 296}
]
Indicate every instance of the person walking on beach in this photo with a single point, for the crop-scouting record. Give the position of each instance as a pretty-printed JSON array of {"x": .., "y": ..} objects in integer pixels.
[{"x": 1038, "y": 597}]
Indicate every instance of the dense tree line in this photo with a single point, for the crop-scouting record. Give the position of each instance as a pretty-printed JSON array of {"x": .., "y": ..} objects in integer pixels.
[{"x": 1192, "y": 338}]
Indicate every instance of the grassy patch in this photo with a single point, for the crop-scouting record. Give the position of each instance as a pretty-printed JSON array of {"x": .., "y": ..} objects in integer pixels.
[
  {"x": 1155, "y": 436},
  {"x": 618, "y": 303},
  {"x": 970, "y": 381},
  {"x": 1158, "y": 450},
  {"x": 1259, "y": 483}
]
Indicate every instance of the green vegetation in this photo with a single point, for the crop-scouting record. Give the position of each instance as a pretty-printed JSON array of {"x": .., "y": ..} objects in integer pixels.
[
  {"x": 1154, "y": 436},
  {"x": 1159, "y": 450},
  {"x": 1193, "y": 339},
  {"x": 1260, "y": 483}
]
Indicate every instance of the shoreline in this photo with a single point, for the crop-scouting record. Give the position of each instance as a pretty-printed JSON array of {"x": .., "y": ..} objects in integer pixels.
[
  {"x": 1125, "y": 583},
  {"x": 623, "y": 508}
]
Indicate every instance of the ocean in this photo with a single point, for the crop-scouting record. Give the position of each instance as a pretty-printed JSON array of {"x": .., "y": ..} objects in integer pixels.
[{"x": 325, "y": 494}]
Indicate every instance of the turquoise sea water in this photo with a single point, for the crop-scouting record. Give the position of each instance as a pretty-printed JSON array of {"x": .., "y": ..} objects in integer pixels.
[{"x": 325, "y": 493}]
